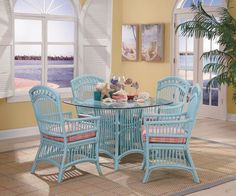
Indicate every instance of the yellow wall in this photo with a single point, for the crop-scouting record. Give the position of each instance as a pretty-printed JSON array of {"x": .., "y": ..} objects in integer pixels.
[
  {"x": 116, "y": 36},
  {"x": 145, "y": 12},
  {"x": 231, "y": 105},
  {"x": 18, "y": 115}
]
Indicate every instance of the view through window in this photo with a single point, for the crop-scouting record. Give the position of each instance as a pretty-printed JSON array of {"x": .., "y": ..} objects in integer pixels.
[{"x": 45, "y": 43}]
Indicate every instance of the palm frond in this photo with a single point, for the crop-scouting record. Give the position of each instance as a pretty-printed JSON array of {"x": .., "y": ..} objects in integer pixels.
[
  {"x": 217, "y": 80},
  {"x": 202, "y": 25},
  {"x": 216, "y": 68},
  {"x": 218, "y": 56}
]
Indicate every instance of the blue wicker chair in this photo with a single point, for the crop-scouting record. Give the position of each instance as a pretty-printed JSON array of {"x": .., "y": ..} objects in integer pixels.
[
  {"x": 82, "y": 89},
  {"x": 166, "y": 139},
  {"x": 64, "y": 141},
  {"x": 175, "y": 89}
]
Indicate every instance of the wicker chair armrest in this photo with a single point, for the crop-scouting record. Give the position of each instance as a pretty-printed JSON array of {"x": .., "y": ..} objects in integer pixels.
[
  {"x": 94, "y": 119},
  {"x": 175, "y": 122},
  {"x": 177, "y": 128},
  {"x": 164, "y": 117},
  {"x": 82, "y": 125},
  {"x": 47, "y": 121},
  {"x": 172, "y": 106},
  {"x": 64, "y": 114},
  {"x": 51, "y": 127}
]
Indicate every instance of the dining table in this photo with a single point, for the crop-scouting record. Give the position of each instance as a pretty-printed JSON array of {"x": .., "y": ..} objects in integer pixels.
[{"x": 120, "y": 124}]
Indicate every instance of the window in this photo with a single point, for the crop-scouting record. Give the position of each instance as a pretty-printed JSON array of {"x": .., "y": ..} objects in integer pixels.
[{"x": 45, "y": 43}]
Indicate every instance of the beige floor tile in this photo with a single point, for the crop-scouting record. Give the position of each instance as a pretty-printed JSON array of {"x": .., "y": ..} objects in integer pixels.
[
  {"x": 7, "y": 193},
  {"x": 94, "y": 180},
  {"x": 69, "y": 193},
  {"x": 56, "y": 189},
  {"x": 73, "y": 185},
  {"x": 43, "y": 184},
  {"x": 37, "y": 193},
  {"x": 104, "y": 193},
  {"x": 24, "y": 189},
  {"x": 88, "y": 189},
  {"x": 10, "y": 183},
  {"x": 109, "y": 185},
  {"x": 121, "y": 191}
]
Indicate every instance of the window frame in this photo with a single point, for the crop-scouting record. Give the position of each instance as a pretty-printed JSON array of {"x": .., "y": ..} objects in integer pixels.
[{"x": 64, "y": 92}]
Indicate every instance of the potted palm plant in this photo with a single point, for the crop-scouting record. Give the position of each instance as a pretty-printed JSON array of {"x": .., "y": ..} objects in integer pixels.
[{"x": 222, "y": 61}]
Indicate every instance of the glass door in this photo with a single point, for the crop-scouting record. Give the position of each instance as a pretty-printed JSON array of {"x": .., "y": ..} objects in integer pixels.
[
  {"x": 213, "y": 99},
  {"x": 184, "y": 56},
  {"x": 188, "y": 65}
]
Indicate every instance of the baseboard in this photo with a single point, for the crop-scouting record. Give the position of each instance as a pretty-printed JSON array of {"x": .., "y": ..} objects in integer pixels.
[
  {"x": 16, "y": 133},
  {"x": 231, "y": 117}
]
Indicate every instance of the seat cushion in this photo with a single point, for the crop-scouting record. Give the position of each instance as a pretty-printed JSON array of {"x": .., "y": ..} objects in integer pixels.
[
  {"x": 74, "y": 138},
  {"x": 161, "y": 139}
]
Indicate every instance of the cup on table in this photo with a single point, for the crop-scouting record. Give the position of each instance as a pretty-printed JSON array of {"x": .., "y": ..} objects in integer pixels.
[{"x": 97, "y": 95}]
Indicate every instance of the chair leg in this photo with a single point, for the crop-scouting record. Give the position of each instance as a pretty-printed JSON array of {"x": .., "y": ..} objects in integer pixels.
[
  {"x": 143, "y": 165},
  {"x": 61, "y": 169},
  {"x": 146, "y": 175},
  {"x": 146, "y": 165},
  {"x": 98, "y": 168},
  {"x": 60, "y": 176},
  {"x": 116, "y": 162},
  {"x": 36, "y": 160},
  {"x": 193, "y": 171},
  {"x": 34, "y": 166},
  {"x": 97, "y": 159},
  {"x": 144, "y": 158}
]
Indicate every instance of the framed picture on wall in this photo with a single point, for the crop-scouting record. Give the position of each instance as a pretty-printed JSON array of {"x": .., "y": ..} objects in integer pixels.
[
  {"x": 129, "y": 42},
  {"x": 152, "y": 42}
]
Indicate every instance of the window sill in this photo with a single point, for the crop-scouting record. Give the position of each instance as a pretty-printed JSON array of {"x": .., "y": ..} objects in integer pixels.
[{"x": 20, "y": 97}]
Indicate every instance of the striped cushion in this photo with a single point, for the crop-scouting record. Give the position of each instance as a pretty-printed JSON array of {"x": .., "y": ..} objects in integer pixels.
[
  {"x": 161, "y": 139},
  {"x": 84, "y": 115},
  {"x": 73, "y": 138},
  {"x": 69, "y": 128}
]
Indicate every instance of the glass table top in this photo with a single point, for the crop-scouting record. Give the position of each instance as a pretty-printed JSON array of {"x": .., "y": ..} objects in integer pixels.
[{"x": 90, "y": 103}]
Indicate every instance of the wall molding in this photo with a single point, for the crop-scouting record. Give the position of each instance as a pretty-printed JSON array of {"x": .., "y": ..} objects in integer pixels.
[
  {"x": 231, "y": 117},
  {"x": 16, "y": 133}
]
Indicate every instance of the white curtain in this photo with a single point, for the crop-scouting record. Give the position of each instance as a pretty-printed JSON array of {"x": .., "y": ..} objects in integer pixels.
[
  {"x": 6, "y": 49},
  {"x": 95, "y": 38}
]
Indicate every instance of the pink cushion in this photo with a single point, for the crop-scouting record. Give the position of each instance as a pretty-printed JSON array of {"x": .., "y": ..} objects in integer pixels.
[
  {"x": 77, "y": 137},
  {"x": 84, "y": 115},
  {"x": 73, "y": 138},
  {"x": 161, "y": 139}
]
